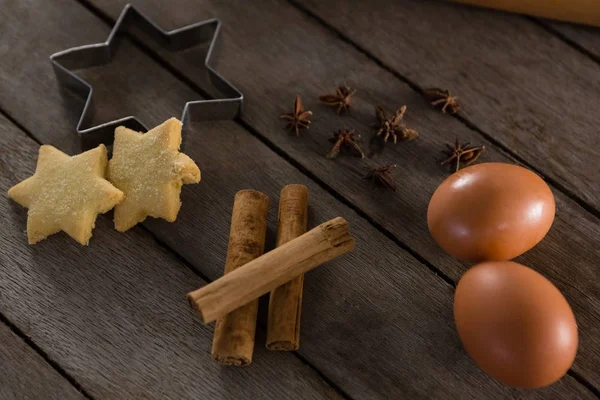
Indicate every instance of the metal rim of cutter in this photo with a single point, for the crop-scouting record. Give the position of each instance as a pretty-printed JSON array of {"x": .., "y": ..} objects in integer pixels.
[{"x": 226, "y": 104}]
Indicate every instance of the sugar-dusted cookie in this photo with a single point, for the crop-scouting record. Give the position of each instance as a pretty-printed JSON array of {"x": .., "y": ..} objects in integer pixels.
[
  {"x": 66, "y": 194},
  {"x": 150, "y": 170}
]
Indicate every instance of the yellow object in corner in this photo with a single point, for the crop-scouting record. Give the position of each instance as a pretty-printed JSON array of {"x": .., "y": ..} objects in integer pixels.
[{"x": 578, "y": 11}]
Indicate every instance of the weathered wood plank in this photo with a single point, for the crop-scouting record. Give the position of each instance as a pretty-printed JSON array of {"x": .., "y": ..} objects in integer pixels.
[
  {"x": 293, "y": 55},
  {"x": 521, "y": 85},
  {"x": 114, "y": 314},
  {"x": 24, "y": 374},
  {"x": 585, "y": 36},
  {"x": 378, "y": 311}
]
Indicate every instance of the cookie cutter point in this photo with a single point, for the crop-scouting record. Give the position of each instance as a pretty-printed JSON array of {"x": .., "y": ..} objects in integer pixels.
[{"x": 226, "y": 102}]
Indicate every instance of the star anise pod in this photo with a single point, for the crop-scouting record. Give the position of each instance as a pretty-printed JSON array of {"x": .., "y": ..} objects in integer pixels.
[
  {"x": 392, "y": 126},
  {"x": 463, "y": 153},
  {"x": 341, "y": 98},
  {"x": 442, "y": 99},
  {"x": 382, "y": 176},
  {"x": 299, "y": 119},
  {"x": 344, "y": 138}
]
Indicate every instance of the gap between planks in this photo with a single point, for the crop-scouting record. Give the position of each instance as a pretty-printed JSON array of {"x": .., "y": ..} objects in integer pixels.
[
  {"x": 570, "y": 42},
  {"x": 53, "y": 364},
  {"x": 338, "y": 196}
]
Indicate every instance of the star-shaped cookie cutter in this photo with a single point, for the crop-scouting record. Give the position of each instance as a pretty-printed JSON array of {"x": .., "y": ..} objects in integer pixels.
[{"x": 228, "y": 100}]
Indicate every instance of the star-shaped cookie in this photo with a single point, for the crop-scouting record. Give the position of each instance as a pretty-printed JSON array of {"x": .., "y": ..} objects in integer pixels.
[
  {"x": 66, "y": 194},
  {"x": 150, "y": 170}
]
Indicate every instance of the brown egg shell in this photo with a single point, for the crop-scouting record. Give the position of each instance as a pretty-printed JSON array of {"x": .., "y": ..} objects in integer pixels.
[
  {"x": 490, "y": 211},
  {"x": 515, "y": 324}
]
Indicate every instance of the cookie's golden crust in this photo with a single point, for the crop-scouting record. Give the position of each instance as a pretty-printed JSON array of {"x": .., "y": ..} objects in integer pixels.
[
  {"x": 66, "y": 194},
  {"x": 150, "y": 170}
]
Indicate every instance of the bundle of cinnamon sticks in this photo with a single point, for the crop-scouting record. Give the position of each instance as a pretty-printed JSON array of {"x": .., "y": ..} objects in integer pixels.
[{"x": 233, "y": 299}]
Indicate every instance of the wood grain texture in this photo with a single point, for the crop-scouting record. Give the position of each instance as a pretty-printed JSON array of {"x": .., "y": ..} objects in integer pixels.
[
  {"x": 294, "y": 55},
  {"x": 393, "y": 314},
  {"x": 24, "y": 374},
  {"x": 521, "y": 85},
  {"x": 114, "y": 314},
  {"x": 585, "y": 36}
]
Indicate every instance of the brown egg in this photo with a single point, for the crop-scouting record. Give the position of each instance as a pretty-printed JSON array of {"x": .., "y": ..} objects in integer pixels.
[
  {"x": 490, "y": 211},
  {"x": 515, "y": 324}
]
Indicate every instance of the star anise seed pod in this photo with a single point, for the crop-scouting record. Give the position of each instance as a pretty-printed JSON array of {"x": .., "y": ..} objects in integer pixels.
[
  {"x": 392, "y": 126},
  {"x": 344, "y": 138},
  {"x": 463, "y": 153},
  {"x": 442, "y": 99},
  {"x": 382, "y": 176},
  {"x": 299, "y": 119},
  {"x": 341, "y": 99}
]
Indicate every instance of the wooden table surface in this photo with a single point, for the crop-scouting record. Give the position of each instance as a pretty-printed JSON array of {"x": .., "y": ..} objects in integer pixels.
[{"x": 110, "y": 321}]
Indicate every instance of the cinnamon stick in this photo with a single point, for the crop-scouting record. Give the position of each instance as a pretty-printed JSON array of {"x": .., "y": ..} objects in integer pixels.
[
  {"x": 260, "y": 276},
  {"x": 233, "y": 342},
  {"x": 285, "y": 302}
]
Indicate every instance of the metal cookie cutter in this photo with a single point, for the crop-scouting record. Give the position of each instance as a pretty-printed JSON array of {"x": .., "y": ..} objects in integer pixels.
[{"x": 227, "y": 101}]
